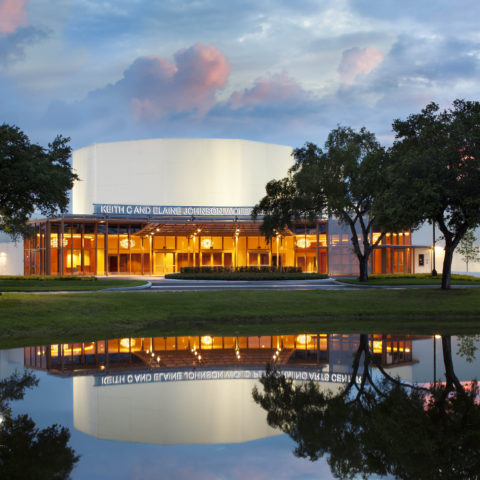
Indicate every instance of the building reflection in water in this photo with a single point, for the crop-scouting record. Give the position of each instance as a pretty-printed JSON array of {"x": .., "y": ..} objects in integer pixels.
[
  {"x": 196, "y": 389},
  {"x": 154, "y": 353}
]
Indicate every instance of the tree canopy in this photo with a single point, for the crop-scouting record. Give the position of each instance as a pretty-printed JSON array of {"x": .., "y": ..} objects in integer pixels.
[
  {"x": 31, "y": 178},
  {"x": 344, "y": 180},
  {"x": 27, "y": 451},
  {"x": 467, "y": 248},
  {"x": 434, "y": 173}
]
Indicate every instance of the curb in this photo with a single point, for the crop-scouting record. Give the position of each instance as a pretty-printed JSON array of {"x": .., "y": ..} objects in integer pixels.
[{"x": 122, "y": 289}]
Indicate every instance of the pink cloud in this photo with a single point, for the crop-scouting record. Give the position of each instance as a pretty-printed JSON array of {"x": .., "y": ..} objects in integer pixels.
[
  {"x": 13, "y": 14},
  {"x": 356, "y": 61},
  {"x": 158, "y": 87},
  {"x": 274, "y": 88}
]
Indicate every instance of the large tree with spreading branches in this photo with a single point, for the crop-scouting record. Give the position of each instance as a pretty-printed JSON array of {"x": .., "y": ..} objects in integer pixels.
[
  {"x": 344, "y": 180},
  {"x": 434, "y": 173},
  {"x": 32, "y": 178}
]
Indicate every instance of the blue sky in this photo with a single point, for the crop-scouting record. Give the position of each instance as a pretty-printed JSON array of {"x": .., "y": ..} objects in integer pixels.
[{"x": 276, "y": 71}]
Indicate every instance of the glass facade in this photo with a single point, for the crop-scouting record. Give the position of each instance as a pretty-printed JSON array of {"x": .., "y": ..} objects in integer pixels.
[
  {"x": 217, "y": 351},
  {"x": 94, "y": 246}
]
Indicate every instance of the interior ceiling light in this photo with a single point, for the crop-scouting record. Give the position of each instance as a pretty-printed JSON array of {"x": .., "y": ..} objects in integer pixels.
[
  {"x": 206, "y": 243},
  {"x": 125, "y": 243},
  {"x": 303, "y": 243},
  {"x": 54, "y": 242}
]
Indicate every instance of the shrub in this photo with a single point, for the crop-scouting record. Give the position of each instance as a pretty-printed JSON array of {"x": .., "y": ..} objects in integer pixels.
[{"x": 261, "y": 269}]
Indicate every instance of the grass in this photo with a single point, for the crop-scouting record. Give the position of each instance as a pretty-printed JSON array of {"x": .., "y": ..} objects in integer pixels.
[
  {"x": 246, "y": 276},
  {"x": 49, "y": 283},
  {"x": 413, "y": 279},
  {"x": 27, "y": 319}
]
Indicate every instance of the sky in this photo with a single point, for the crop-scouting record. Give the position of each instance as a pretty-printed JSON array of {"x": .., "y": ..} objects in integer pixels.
[{"x": 275, "y": 71}]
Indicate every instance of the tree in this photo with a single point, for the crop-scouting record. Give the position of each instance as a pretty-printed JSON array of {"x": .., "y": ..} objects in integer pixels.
[
  {"x": 434, "y": 173},
  {"x": 467, "y": 248},
  {"x": 31, "y": 177},
  {"x": 25, "y": 450},
  {"x": 368, "y": 427},
  {"x": 343, "y": 180}
]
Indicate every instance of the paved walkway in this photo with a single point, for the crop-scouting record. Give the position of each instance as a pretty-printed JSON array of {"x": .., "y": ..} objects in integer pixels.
[
  {"x": 160, "y": 284},
  {"x": 199, "y": 285}
]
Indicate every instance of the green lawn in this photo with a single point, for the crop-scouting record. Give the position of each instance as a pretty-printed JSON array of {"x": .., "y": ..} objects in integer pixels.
[
  {"x": 42, "y": 284},
  {"x": 232, "y": 276},
  {"x": 27, "y": 319},
  {"x": 408, "y": 279}
]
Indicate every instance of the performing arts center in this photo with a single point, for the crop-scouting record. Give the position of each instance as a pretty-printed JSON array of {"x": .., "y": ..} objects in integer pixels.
[{"x": 151, "y": 207}]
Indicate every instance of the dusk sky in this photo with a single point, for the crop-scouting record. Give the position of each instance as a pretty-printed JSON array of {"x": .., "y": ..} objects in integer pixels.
[{"x": 275, "y": 71}]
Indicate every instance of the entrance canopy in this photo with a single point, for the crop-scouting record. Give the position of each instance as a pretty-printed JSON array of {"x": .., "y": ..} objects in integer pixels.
[{"x": 213, "y": 228}]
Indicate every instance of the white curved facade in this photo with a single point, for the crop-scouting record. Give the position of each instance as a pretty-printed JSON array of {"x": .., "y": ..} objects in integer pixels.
[
  {"x": 173, "y": 413},
  {"x": 176, "y": 172},
  {"x": 11, "y": 256},
  {"x": 197, "y": 412}
]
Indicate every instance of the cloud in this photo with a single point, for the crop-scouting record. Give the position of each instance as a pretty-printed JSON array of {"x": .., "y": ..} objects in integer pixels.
[
  {"x": 13, "y": 14},
  {"x": 275, "y": 88},
  {"x": 15, "y": 33},
  {"x": 157, "y": 88},
  {"x": 179, "y": 95},
  {"x": 356, "y": 61},
  {"x": 151, "y": 92},
  {"x": 12, "y": 46}
]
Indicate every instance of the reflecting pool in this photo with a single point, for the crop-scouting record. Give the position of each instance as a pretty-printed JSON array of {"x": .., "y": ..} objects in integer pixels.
[{"x": 184, "y": 407}]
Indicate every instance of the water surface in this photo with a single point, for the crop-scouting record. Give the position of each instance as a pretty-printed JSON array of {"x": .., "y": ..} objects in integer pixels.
[{"x": 182, "y": 407}]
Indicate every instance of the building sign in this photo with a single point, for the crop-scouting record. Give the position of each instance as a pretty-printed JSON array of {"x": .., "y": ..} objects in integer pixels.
[
  {"x": 211, "y": 374},
  {"x": 165, "y": 211}
]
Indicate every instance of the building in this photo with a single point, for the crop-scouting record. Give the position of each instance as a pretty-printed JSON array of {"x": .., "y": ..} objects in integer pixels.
[{"x": 151, "y": 207}]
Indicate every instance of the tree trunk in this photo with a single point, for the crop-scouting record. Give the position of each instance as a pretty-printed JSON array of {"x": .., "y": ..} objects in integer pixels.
[
  {"x": 447, "y": 266},
  {"x": 450, "y": 376},
  {"x": 363, "y": 261}
]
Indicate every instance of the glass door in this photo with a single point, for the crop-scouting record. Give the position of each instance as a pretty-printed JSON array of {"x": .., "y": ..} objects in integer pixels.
[{"x": 163, "y": 263}]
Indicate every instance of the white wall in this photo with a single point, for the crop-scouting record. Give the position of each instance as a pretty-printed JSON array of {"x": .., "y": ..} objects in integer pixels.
[
  {"x": 177, "y": 172},
  {"x": 169, "y": 413},
  {"x": 427, "y": 260},
  {"x": 11, "y": 256},
  {"x": 424, "y": 236}
]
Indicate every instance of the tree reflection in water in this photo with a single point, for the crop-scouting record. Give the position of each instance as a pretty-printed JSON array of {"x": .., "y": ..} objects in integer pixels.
[
  {"x": 380, "y": 425},
  {"x": 27, "y": 452}
]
